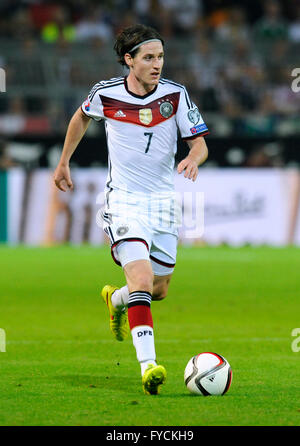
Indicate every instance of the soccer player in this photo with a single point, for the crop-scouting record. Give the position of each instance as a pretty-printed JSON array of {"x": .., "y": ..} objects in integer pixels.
[{"x": 142, "y": 113}]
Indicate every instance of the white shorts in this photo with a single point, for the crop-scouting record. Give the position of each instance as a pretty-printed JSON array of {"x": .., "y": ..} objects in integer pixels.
[{"x": 155, "y": 230}]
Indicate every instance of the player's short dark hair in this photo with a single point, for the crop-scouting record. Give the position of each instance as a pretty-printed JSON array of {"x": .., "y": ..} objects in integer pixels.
[{"x": 131, "y": 36}]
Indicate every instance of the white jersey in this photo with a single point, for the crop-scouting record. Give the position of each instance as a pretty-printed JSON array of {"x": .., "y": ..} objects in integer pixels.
[{"x": 142, "y": 132}]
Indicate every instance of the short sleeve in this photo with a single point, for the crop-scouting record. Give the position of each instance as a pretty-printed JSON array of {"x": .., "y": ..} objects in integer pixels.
[
  {"x": 92, "y": 106},
  {"x": 189, "y": 119}
]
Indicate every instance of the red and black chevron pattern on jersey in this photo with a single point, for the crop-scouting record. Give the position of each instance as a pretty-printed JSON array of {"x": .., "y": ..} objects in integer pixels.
[{"x": 147, "y": 115}]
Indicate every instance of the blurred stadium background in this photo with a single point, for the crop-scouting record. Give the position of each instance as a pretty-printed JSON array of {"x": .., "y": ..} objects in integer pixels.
[{"x": 235, "y": 57}]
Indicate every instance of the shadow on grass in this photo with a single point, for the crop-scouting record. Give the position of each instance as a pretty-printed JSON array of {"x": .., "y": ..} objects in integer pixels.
[
  {"x": 121, "y": 384},
  {"x": 98, "y": 382}
]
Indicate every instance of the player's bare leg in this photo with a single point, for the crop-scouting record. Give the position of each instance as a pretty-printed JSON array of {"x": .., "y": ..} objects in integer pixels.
[
  {"x": 140, "y": 279},
  {"x": 120, "y": 296},
  {"x": 139, "y": 275}
]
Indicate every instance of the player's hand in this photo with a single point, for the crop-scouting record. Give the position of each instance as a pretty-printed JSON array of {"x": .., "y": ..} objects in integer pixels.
[
  {"x": 190, "y": 168},
  {"x": 62, "y": 178}
]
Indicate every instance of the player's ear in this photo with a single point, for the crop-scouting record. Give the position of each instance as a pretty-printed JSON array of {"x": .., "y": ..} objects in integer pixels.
[{"x": 128, "y": 60}]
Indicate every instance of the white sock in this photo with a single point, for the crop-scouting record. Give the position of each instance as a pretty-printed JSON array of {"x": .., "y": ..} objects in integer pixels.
[
  {"x": 143, "y": 341},
  {"x": 119, "y": 298},
  {"x": 145, "y": 364}
]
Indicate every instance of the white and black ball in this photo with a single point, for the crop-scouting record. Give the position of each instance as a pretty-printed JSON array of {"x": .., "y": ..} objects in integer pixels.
[{"x": 208, "y": 374}]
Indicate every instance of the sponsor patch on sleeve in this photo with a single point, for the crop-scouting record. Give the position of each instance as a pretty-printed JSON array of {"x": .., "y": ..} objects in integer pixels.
[{"x": 198, "y": 129}]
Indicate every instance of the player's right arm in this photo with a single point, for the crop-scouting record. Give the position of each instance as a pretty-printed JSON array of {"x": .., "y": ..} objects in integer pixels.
[{"x": 76, "y": 129}]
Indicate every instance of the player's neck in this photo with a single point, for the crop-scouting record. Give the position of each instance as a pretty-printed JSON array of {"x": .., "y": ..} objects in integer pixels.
[{"x": 137, "y": 87}]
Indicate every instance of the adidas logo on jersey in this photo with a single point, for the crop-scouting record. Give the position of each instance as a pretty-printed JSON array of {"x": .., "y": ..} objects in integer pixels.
[{"x": 119, "y": 114}]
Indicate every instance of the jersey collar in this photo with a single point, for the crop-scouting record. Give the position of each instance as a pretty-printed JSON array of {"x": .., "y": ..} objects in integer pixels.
[{"x": 138, "y": 95}]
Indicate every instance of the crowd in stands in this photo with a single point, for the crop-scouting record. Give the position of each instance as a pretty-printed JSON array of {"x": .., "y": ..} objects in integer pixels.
[{"x": 236, "y": 57}]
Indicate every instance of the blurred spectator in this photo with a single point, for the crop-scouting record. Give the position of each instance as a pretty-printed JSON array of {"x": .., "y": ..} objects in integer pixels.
[
  {"x": 143, "y": 10},
  {"x": 279, "y": 56},
  {"x": 204, "y": 63},
  {"x": 266, "y": 105},
  {"x": 265, "y": 155},
  {"x": 272, "y": 25},
  {"x": 182, "y": 16},
  {"x": 93, "y": 26},
  {"x": 59, "y": 27},
  {"x": 4, "y": 27},
  {"x": 14, "y": 120},
  {"x": 294, "y": 26},
  {"x": 6, "y": 161},
  {"x": 21, "y": 25},
  {"x": 128, "y": 18},
  {"x": 25, "y": 68},
  {"x": 234, "y": 28},
  {"x": 218, "y": 16},
  {"x": 240, "y": 81}
]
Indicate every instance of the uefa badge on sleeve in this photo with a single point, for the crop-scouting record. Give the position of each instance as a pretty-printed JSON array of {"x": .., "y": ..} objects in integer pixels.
[{"x": 194, "y": 116}]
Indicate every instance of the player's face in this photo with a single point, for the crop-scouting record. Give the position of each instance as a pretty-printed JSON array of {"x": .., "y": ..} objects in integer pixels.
[{"x": 147, "y": 63}]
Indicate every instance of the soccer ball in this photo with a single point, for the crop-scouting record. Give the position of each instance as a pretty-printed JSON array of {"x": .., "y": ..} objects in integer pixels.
[{"x": 208, "y": 374}]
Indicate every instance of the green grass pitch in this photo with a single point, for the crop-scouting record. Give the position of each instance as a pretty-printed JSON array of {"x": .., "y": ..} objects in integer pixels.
[{"x": 62, "y": 367}]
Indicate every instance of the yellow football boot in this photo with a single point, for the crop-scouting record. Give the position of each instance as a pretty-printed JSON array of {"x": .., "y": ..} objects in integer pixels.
[
  {"x": 153, "y": 378},
  {"x": 118, "y": 319}
]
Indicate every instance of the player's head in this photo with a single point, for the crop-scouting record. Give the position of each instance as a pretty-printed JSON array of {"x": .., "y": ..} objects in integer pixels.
[
  {"x": 130, "y": 40},
  {"x": 140, "y": 48}
]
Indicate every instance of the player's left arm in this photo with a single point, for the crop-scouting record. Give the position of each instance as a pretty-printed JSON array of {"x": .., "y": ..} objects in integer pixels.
[{"x": 197, "y": 155}]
